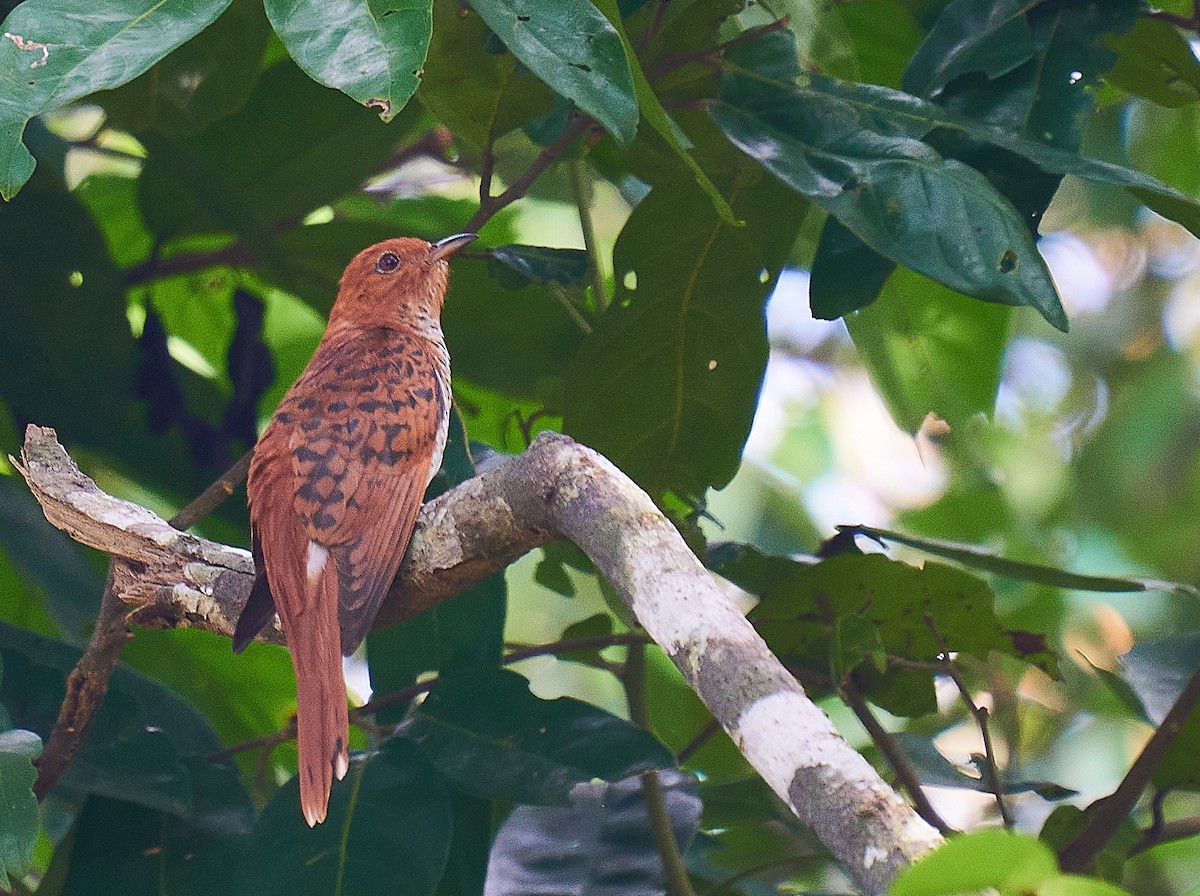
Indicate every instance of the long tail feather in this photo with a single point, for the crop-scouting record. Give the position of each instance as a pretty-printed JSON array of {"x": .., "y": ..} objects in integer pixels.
[{"x": 321, "y": 717}]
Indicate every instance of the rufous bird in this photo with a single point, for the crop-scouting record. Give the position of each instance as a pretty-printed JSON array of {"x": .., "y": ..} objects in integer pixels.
[{"x": 338, "y": 477}]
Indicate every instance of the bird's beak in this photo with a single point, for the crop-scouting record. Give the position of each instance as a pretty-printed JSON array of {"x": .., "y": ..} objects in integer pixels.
[{"x": 448, "y": 246}]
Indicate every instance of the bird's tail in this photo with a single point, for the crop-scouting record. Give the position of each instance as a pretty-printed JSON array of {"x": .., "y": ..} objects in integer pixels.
[{"x": 322, "y": 722}]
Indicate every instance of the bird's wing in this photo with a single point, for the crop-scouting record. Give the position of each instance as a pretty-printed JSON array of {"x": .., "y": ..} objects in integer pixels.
[{"x": 367, "y": 426}]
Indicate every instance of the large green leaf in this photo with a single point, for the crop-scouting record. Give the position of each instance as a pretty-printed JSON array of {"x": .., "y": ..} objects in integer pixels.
[
  {"x": 970, "y": 36},
  {"x": 18, "y": 805},
  {"x": 54, "y": 52},
  {"x": 656, "y": 116},
  {"x": 140, "y": 740},
  {"x": 264, "y": 165},
  {"x": 602, "y": 843},
  {"x": 388, "y": 830},
  {"x": 571, "y": 46},
  {"x": 1154, "y": 60},
  {"x": 666, "y": 384},
  {"x": 929, "y": 350},
  {"x": 371, "y": 50},
  {"x": 51, "y": 560},
  {"x": 120, "y": 847},
  {"x": 997, "y": 859},
  {"x": 934, "y": 215},
  {"x": 207, "y": 78},
  {"x": 487, "y": 733},
  {"x": 802, "y": 599},
  {"x": 479, "y": 95}
]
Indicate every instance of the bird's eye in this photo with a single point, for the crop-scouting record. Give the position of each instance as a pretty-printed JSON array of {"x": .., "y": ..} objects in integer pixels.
[{"x": 387, "y": 263}]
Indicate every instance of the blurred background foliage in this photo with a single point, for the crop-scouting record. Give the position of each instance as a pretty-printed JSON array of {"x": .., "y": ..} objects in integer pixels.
[{"x": 166, "y": 269}]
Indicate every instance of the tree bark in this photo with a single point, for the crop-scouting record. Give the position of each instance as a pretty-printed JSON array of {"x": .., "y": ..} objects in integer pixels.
[{"x": 557, "y": 488}]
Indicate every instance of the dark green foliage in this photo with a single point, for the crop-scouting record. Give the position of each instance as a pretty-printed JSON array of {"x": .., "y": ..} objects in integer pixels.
[{"x": 166, "y": 267}]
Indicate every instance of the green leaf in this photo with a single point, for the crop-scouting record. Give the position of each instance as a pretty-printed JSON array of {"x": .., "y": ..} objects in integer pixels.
[
  {"x": 18, "y": 805},
  {"x": 515, "y": 266},
  {"x": 658, "y": 119},
  {"x": 969, "y": 36},
  {"x": 371, "y": 50},
  {"x": 479, "y": 95},
  {"x": 800, "y": 600},
  {"x": 389, "y": 821},
  {"x": 1010, "y": 863},
  {"x": 264, "y": 164},
  {"x": 930, "y": 350},
  {"x": 1154, "y": 60},
  {"x": 979, "y": 558},
  {"x": 540, "y": 338},
  {"x": 572, "y": 47},
  {"x": 935, "y": 770},
  {"x": 51, "y": 560},
  {"x": 140, "y": 738},
  {"x": 847, "y": 274},
  {"x": 71, "y": 52},
  {"x": 487, "y": 733},
  {"x": 666, "y": 384},
  {"x": 207, "y": 78},
  {"x": 602, "y": 843},
  {"x": 936, "y": 216},
  {"x": 120, "y": 847}
]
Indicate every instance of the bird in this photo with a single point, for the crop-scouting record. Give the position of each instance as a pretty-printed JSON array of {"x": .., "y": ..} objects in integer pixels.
[{"x": 337, "y": 479}]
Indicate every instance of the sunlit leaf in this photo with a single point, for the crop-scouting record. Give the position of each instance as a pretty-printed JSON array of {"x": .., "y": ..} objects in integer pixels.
[
  {"x": 571, "y": 46},
  {"x": 371, "y": 50},
  {"x": 54, "y": 52}
]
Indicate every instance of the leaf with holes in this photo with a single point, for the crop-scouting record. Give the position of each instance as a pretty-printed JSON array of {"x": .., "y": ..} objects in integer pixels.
[
  {"x": 666, "y": 384},
  {"x": 934, "y": 215},
  {"x": 56, "y": 51},
  {"x": 372, "y": 51},
  {"x": 571, "y": 46}
]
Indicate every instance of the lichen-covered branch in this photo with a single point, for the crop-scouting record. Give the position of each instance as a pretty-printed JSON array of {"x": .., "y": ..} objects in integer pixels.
[{"x": 557, "y": 488}]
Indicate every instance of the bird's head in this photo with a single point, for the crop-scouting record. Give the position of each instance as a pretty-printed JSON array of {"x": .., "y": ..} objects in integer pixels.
[{"x": 400, "y": 280}]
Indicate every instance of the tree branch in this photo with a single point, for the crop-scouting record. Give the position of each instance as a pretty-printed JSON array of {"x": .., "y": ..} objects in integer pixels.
[
  {"x": 557, "y": 488},
  {"x": 1105, "y": 816}
]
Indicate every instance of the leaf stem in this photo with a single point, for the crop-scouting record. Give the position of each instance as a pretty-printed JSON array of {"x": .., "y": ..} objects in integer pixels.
[
  {"x": 980, "y": 715},
  {"x": 581, "y": 187}
]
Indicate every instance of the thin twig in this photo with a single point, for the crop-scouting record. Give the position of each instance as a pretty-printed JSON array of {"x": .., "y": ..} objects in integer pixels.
[
  {"x": 980, "y": 715},
  {"x": 558, "y": 292},
  {"x": 633, "y": 678},
  {"x": 1104, "y": 817},
  {"x": 490, "y": 205},
  {"x": 712, "y": 55},
  {"x": 653, "y": 28},
  {"x": 701, "y": 738},
  {"x": 487, "y": 167},
  {"x": 213, "y": 496},
  {"x": 1187, "y": 23},
  {"x": 891, "y": 751}
]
